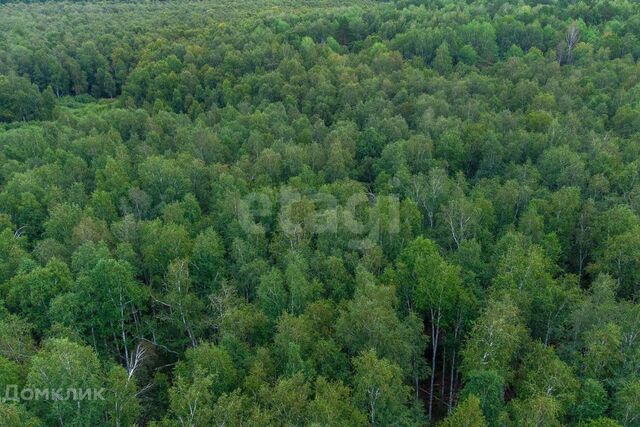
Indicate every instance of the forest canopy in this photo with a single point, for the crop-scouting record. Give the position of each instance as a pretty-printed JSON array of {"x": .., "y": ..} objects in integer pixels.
[{"x": 288, "y": 213}]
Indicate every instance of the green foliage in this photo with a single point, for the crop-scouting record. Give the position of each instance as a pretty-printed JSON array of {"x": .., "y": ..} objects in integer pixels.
[
  {"x": 536, "y": 411},
  {"x": 545, "y": 374},
  {"x": 122, "y": 402},
  {"x": 378, "y": 390},
  {"x": 332, "y": 405},
  {"x": 370, "y": 322},
  {"x": 17, "y": 416},
  {"x": 495, "y": 339},
  {"x": 66, "y": 366},
  {"x": 443, "y": 62},
  {"x": 318, "y": 213},
  {"x": 626, "y": 403},
  {"x": 20, "y": 100},
  {"x": 592, "y": 402},
  {"x": 466, "y": 414},
  {"x": 32, "y": 292},
  {"x": 488, "y": 388}
]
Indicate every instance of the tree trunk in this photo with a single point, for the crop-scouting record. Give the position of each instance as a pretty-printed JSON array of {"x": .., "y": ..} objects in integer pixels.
[
  {"x": 451, "y": 380},
  {"x": 435, "y": 333},
  {"x": 443, "y": 373}
]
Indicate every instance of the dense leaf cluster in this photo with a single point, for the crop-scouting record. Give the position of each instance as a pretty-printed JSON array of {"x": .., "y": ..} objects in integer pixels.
[{"x": 304, "y": 213}]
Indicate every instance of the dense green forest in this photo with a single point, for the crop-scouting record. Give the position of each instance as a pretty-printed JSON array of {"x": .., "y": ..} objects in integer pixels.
[{"x": 320, "y": 213}]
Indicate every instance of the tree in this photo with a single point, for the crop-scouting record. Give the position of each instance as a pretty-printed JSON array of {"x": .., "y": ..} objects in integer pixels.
[
  {"x": 102, "y": 304},
  {"x": 466, "y": 414},
  {"x": 488, "y": 387},
  {"x": 191, "y": 401},
  {"x": 370, "y": 322},
  {"x": 494, "y": 339},
  {"x": 544, "y": 374},
  {"x": 272, "y": 294},
  {"x": 592, "y": 400},
  {"x": 482, "y": 37},
  {"x": 561, "y": 166},
  {"x": 123, "y": 407},
  {"x": 430, "y": 192},
  {"x": 185, "y": 310},
  {"x": 293, "y": 344},
  {"x": 231, "y": 409},
  {"x": 434, "y": 287},
  {"x": 207, "y": 261},
  {"x": 379, "y": 391},
  {"x": 286, "y": 402},
  {"x": 207, "y": 364},
  {"x": 536, "y": 411},
  {"x": 12, "y": 251},
  {"x": 625, "y": 404},
  {"x": 163, "y": 179},
  {"x": 71, "y": 369},
  {"x": 332, "y": 405},
  {"x": 17, "y": 416},
  {"x": 566, "y": 48},
  {"x": 301, "y": 292},
  {"x": 160, "y": 245},
  {"x": 32, "y": 292},
  {"x": 619, "y": 257},
  {"x": 443, "y": 62},
  {"x": 602, "y": 356},
  {"x": 525, "y": 270},
  {"x": 16, "y": 337},
  {"x": 460, "y": 219},
  {"x": 21, "y": 100}
]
